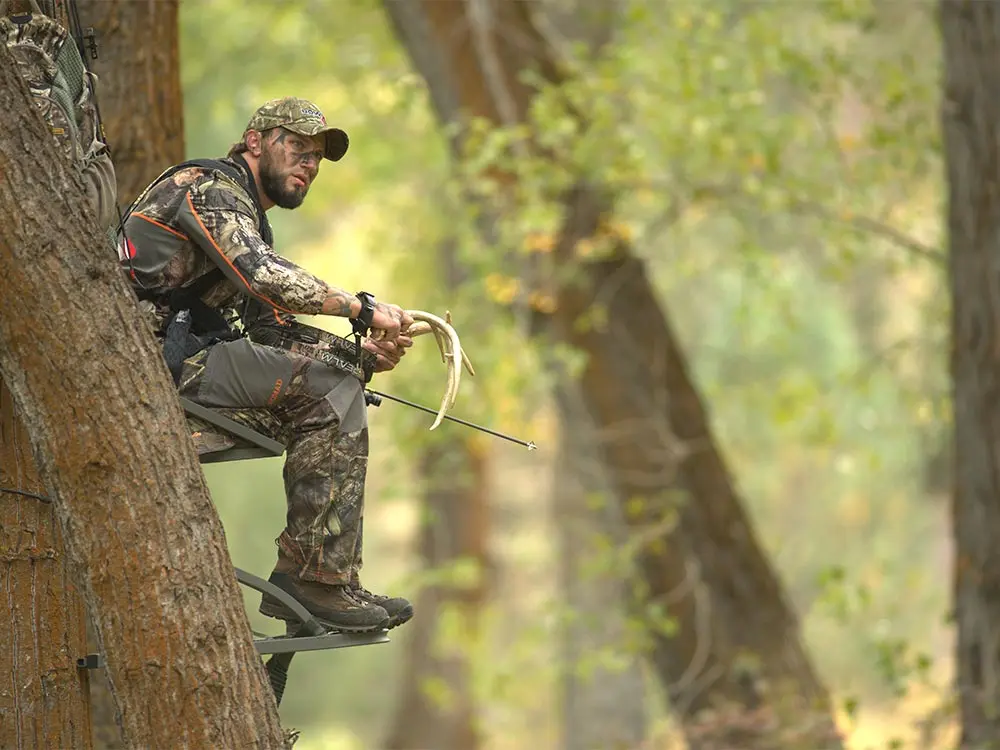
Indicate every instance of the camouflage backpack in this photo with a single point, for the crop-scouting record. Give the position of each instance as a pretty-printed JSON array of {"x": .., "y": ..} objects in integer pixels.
[{"x": 64, "y": 90}]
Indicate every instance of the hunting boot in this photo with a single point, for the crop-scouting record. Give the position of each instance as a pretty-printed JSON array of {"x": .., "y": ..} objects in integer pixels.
[
  {"x": 398, "y": 608},
  {"x": 336, "y": 606}
]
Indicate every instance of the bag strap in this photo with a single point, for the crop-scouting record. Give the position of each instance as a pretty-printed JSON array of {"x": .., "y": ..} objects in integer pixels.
[{"x": 230, "y": 171}]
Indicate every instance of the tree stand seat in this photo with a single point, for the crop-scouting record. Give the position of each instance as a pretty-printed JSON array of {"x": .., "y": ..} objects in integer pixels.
[{"x": 218, "y": 439}]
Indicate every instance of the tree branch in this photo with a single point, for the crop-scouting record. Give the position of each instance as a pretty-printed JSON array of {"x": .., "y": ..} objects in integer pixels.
[{"x": 868, "y": 225}]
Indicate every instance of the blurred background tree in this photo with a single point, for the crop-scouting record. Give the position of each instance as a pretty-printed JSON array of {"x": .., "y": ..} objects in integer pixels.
[{"x": 970, "y": 123}]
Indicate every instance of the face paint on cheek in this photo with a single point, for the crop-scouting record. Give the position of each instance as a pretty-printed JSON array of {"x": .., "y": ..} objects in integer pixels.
[
  {"x": 291, "y": 157},
  {"x": 276, "y": 182}
]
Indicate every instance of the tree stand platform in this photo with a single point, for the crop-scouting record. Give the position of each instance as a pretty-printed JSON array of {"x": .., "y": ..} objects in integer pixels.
[{"x": 233, "y": 441}]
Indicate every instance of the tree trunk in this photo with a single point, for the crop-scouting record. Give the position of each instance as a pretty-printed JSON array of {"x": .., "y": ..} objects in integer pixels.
[
  {"x": 148, "y": 131},
  {"x": 140, "y": 87},
  {"x": 455, "y": 527},
  {"x": 43, "y": 695},
  {"x": 47, "y": 623},
  {"x": 737, "y": 648},
  {"x": 142, "y": 111},
  {"x": 971, "y": 122},
  {"x": 603, "y": 706},
  {"x": 112, "y": 447}
]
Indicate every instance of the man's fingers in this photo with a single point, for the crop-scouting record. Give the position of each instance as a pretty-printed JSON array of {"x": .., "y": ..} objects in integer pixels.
[
  {"x": 383, "y": 346},
  {"x": 385, "y": 363},
  {"x": 386, "y": 349},
  {"x": 377, "y": 346},
  {"x": 387, "y": 318}
]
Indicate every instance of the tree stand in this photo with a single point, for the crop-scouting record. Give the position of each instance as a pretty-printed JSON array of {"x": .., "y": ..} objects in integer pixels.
[{"x": 241, "y": 444}]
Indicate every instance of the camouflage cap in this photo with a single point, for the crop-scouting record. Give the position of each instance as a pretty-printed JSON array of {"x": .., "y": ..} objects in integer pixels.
[{"x": 302, "y": 117}]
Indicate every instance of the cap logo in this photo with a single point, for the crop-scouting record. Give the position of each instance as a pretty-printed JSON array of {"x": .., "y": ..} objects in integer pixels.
[{"x": 313, "y": 112}]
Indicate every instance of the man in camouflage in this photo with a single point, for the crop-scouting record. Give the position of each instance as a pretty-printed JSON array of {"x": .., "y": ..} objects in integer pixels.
[{"x": 196, "y": 219}]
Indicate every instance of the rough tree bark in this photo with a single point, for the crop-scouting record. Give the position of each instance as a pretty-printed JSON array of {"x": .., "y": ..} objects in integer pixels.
[
  {"x": 141, "y": 105},
  {"x": 455, "y": 527},
  {"x": 43, "y": 696},
  {"x": 738, "y": 646},
  {"x": 971, "y": 122},
  {"x": 45, "y": 702},
  {"x": 143, "y": 114},
  {"x": 111, "y": 446}
]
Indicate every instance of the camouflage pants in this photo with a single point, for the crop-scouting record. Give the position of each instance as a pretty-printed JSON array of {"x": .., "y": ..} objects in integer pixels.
[{"x": 319, "y": 414}]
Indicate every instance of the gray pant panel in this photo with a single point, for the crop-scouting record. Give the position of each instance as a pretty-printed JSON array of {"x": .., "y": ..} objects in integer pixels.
[{"x": 241, "y": 374}]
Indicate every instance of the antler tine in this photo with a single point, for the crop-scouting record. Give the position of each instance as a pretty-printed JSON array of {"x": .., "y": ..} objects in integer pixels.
[
  {"x": 452, "y": 353},
  {"x": 443, "y": 337},
  {"x": 465, "y": 358},
  {"x": 420, "y": 328}
]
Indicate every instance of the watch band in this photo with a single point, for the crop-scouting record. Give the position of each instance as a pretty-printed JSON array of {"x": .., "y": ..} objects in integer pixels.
[{"x": 363, "y": 323}]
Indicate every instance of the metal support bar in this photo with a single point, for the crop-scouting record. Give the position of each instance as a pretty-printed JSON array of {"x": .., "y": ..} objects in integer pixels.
[
  {"x": 273, "y": 447},
  {"x": 235, "y": 454},
  {"x": 309, "y": 623}
]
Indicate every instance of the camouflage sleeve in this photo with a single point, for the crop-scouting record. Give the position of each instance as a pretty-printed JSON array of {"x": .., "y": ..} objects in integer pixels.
[
  {"x": 218, "y": 216},
  {"x": 99, "y": 180}
]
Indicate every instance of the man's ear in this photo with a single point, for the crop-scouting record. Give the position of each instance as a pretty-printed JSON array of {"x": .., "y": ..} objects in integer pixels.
[{"x": 255, "y": 142}]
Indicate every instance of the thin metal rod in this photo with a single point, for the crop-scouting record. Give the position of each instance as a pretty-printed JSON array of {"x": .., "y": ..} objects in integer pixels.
[
  {"x": 530, "y": 445},
  {"x": 25, "y": 493}
]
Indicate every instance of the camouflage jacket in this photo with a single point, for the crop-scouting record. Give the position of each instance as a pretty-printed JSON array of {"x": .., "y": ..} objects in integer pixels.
[{"x": 199, "y": 219}]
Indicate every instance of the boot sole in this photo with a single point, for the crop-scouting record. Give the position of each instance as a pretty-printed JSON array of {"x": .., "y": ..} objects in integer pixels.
[{"x": 280, "y": 613}]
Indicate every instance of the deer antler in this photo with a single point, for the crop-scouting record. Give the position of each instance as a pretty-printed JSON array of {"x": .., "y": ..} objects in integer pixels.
[{"x": 452, "y": 353}]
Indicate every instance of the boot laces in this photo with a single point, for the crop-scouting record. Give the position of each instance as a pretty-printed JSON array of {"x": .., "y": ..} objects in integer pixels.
[
  {"x": 352, "y": 596},
  {"x": 361, "y": 592}
]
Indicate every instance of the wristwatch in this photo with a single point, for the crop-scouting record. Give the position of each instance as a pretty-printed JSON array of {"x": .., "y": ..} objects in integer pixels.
[{"x": 363, "y": 322}]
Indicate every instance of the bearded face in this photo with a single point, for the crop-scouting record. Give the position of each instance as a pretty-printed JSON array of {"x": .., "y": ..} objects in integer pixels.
[{"x": 289, "y": 162}]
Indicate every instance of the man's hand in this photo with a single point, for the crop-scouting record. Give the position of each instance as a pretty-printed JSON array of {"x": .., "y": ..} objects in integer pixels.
[
  {"x": 388, "y": 321},
  {"x": 388, "y": 353}
]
